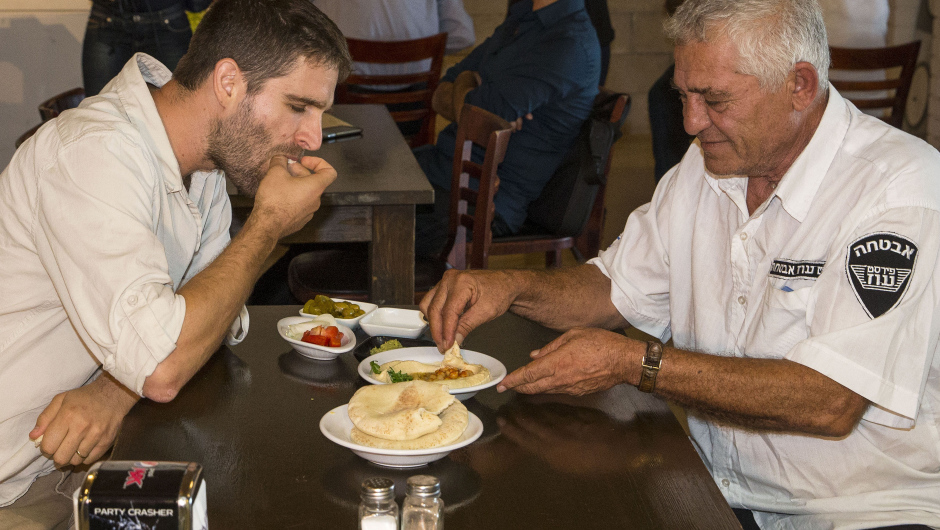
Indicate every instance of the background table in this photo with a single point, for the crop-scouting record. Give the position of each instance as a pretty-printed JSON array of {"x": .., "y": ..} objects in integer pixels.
[
  {"x": 617, "y": 459},
  {"x": 373, "y": 200}
]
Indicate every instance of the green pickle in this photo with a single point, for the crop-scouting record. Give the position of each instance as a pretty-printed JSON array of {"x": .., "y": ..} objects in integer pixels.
[{"x": 322, "y": 304}]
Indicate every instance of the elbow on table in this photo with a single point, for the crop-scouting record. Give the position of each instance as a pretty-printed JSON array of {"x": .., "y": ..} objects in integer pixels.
[{"x": 161, "y": 386}]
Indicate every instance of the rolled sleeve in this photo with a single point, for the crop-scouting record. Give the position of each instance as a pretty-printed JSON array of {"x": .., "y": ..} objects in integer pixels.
[{"x": 151, "y": 318}]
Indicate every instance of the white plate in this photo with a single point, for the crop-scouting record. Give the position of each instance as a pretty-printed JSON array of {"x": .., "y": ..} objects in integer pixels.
[
  {"x": 336, "y": 426},
  {"x": 349, "y": 322},
  {"x": 430, "y": 355},
  {"x": 394, "y": 322},
  {"x": 313, "y": 351}
]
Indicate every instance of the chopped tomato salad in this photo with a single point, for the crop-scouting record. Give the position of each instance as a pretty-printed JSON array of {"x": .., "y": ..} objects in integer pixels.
[{"x": 323, "y": 336}]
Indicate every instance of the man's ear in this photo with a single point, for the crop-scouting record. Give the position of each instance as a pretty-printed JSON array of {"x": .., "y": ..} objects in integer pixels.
[
  {"x": 805, "y": 85},
  {"x": 228, "y": 84}
]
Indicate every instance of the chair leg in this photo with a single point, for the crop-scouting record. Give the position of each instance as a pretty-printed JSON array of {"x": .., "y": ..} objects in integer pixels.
[{"x": 553, "y": 259}]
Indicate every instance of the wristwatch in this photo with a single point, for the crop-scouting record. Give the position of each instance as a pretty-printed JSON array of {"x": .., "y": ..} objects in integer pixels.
[{"x": 652, "y": 362}]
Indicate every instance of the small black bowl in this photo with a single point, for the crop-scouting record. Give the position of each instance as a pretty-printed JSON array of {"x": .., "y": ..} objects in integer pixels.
[{"x": 364, "y": 347}]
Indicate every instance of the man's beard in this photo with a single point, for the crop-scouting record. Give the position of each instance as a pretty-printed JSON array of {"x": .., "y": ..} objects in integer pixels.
[{"x": 238, "y": 146}]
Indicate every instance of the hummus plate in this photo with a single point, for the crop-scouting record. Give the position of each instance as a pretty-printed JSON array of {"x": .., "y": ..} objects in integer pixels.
[
  {"x": 430, "y": 355},
  {"x": 336, "y": 426}
]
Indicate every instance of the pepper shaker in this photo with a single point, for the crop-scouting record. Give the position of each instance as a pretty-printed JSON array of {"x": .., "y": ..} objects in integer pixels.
[{"x": 423, "y": 508}]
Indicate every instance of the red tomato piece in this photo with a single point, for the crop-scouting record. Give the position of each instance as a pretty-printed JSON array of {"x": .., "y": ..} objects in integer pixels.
[
  {"x": 331, "y": 331},
  {"x": 336, "y": 342},
  {"x": 319, "y": 340}
]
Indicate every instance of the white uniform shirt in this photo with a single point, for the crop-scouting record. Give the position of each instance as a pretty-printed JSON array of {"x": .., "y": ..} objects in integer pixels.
[
  {"x": 97, "y": 232},
  {"x": 851, "y": 234}
]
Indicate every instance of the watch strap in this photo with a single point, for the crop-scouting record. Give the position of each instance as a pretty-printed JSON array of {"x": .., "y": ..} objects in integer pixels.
[{"x": 652, "y": 362}]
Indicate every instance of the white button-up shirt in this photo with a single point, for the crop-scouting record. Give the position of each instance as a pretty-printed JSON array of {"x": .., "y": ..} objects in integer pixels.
[
  {"x": 97, "y": 232},
  {"x": 837, "y": 271}
]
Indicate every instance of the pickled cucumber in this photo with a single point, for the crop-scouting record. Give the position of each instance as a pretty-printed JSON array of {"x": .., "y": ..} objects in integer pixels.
[{"x": 322, "y": 304}]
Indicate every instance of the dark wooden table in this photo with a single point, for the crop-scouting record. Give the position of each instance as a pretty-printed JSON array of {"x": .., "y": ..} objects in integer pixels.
[
  {"x": 618, "y": 459},
  {"x": 373, "y": 200}
]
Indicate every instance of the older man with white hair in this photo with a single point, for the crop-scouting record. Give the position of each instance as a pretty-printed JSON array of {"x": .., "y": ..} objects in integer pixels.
[{"x": 791, "y": 256}]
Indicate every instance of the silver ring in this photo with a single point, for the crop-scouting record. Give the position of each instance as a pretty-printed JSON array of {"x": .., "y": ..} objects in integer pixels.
[{"x": 79, "y": 453}]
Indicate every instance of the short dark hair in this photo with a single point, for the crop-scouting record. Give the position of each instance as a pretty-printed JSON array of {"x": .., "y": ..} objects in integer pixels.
[{"x": 265, "y": 38}]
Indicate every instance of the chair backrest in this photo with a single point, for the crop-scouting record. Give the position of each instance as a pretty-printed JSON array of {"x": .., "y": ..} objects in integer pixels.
[
  {"x": 565, "y": 204},
  {"x": 903, "y": 56},
  {"x": 474, "y": 185},
  {"x": 411, "y": 104},
  {"x": 54, "y": 106}
]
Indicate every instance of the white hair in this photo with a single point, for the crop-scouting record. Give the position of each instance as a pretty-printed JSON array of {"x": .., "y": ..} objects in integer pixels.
[{"x": 771, "y": 36}]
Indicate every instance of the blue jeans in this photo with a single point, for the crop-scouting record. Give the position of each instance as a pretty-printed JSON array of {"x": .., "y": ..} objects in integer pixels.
[{"x": 113, "y": 36}]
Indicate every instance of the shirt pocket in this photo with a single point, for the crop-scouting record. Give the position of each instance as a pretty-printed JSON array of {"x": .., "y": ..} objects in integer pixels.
[{"x": 781, "y": 322}]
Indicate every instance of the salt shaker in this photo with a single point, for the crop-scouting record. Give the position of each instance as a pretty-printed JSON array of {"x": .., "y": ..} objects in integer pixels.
[
  {"x": 378, "y": 510},
  {"x": 423, "y": 508}
]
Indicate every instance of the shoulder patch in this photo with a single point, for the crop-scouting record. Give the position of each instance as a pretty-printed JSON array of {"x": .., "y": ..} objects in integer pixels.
[{"x": 879, "y": 267}]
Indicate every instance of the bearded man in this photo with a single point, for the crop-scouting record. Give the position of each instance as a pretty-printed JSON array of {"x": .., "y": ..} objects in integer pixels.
[{"x": 119, "y": 279}]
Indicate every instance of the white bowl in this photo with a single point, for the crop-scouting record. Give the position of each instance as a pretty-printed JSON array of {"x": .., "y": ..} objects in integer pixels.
[
  {"x": 336, "y": 426},
  {"x": 394, "y": 322},
  {"x": 313, "y": 351},
  {"x": 430, "y": 355},
  {"x": 349, "y": 322}
]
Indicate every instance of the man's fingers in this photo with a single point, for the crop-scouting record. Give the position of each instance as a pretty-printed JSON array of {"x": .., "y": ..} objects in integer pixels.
[{"x": 45, "y": 417}]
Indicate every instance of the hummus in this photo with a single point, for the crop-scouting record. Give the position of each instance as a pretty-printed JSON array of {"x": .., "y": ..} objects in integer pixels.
[{"x": 477, "y": 374}]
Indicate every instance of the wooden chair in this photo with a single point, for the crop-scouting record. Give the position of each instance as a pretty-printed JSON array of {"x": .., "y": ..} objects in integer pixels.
[
  {"x": 52, "y": 107},
  {"x": 408, "y": 105},
  {"x": 473, "y": 186},
  {"x": 582, "y": 231},
  {"x": 903, "y": 56},
  {"x": 471, "y": 204}
]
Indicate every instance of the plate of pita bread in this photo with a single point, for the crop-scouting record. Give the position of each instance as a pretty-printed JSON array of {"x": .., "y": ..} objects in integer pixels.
[
  {"x": 465, "y": 372},
  {"x": 407, "y": 424}
]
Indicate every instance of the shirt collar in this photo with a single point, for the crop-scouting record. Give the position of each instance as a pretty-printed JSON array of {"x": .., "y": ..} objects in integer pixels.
[
  {"x": 548, "y": 15},
  {"x": 800, "y": 183},
  {"x": 131, "y": 88}
]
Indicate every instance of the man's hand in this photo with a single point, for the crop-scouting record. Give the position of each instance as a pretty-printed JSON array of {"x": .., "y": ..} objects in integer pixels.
[
  {"x": 582, "y": 361},
  {"x": 78, "y": 426},
  {"x": 463, "y": 300},
  {"x": 517, "y": 124},
  {"x": 290, "y": 192}
]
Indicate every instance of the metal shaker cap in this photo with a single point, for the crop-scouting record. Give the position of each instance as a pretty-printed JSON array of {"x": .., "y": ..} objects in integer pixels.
[
  {"x": 378, "y": 488},
  {"x": 424, "y": 486}
]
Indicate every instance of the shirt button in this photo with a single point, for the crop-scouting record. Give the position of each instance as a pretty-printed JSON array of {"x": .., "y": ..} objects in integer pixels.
[
  {"x": 742, "y": 300},
  {"x": 132, "y": 300},
  {"x": 725, "y": 482},
  {"x": 743, "y": 236}
]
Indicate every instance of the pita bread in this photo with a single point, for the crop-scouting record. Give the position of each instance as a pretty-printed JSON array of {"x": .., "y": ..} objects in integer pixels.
[
  {"x": 454, "y": 420},
  {"x": 399, "y": 411}
]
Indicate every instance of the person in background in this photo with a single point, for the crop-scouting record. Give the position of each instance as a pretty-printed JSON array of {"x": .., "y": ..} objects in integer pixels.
[
  {"x": 792, "y": 258},
  {"x": 119, "y": 278},
  {"x": 600, "y": 19},
  {"x": 670, "y": 141},
  {"x": 392, "y": 20},
  {"x": 542, "y": 64},
  {"x": 117, "y": 29}
]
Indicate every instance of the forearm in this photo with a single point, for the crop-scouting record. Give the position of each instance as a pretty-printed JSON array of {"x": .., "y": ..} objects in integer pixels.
[
  {"x": 214, "y": 298},
  {"x": 565, "y": 298},
  {"x": 766, "y": 394}
]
